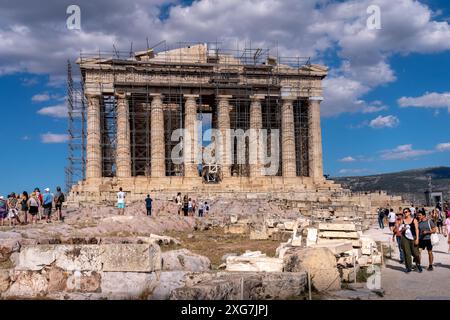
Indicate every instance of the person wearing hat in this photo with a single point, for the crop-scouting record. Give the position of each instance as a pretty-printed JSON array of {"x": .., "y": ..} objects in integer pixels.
[
  {"x": 397, "y": 234},
  {"x": 47, "y": 203}
]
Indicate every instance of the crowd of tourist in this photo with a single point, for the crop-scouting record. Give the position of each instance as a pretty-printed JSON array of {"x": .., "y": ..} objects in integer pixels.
[
  {"x": 30, "y": 208},
  {"x": 187, "y": 206},
  {"x": 415, "y": 230}
]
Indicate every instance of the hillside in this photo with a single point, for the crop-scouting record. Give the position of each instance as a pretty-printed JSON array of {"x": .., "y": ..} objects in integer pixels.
[{"x": 411, "y": 183}]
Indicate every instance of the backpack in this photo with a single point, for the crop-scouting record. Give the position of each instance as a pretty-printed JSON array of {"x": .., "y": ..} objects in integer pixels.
[{"x": 61, "y": 198}]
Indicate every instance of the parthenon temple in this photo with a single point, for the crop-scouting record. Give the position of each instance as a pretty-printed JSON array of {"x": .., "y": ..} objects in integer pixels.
[{"x": 133, "y": 106}]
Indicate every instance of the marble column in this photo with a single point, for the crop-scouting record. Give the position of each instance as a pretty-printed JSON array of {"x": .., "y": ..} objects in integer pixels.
[
  {"x": 190, "y": 150},
  {"x": 315, "y": 139},
  {"x": 288, "y": 138},
  {"x": 158, "y": 150},
  {"x": 93, "y": 143},
  {"x": 123, "y": 150},
  {"x": 256, "y": 165},
  {"x": 224, "y": 145}
]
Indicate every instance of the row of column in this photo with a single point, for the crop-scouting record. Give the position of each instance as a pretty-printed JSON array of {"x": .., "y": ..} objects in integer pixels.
[{"x": 123, "y": 159}]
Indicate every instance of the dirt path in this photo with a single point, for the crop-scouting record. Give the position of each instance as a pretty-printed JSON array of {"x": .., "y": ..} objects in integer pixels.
[{"x": 426, "y": 285}]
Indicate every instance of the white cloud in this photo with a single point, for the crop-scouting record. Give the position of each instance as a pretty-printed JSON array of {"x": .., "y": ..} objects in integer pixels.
[
  {"x": 54, "y": 138},
  {"x": 443, "y": 146},
  {"x": 335, "y": 27},
  {"x": 41, "y": 97},
  {"x": 25, "y": 138},
  {"x": 353, "y": 171},
  {"x": 428, "y": 100},
  {"x": 404, "y": 152},
  {"x": 347, "y": 159},
  {"x": 57, "y": 111},
  {"x": 384, "y": 122}
]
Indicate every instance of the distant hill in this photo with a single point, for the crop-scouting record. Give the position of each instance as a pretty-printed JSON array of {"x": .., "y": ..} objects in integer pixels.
[{"x": 410, "y": 183}]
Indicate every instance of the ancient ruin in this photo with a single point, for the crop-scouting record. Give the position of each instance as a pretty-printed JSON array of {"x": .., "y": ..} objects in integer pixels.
[{"x": 134, "y": 105}]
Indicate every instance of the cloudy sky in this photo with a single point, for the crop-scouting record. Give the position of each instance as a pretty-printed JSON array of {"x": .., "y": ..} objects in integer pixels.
[{"x": 387, "y": 97}]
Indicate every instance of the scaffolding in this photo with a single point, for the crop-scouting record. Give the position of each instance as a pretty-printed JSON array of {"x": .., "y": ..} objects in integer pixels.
[{"x": 241, "y": 73}]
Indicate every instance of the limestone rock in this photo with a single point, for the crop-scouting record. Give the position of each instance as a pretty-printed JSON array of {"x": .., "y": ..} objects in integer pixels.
[
  {"x": 254, "y": 261},
  {"x": 215, "y": 290},
  {"x": 81, "y": 258},
  {"x": 319, "y": 262},
  {"x": 35, "y": 258},
  {"x": 28, "y": 284},
  {"x": 131, "y": 258},
  {"x": 237, "y": 228},
  {"x": 167, "y": 282},
  {"x": 87, "y": 281},
  {"x": 57, "y": 280},
  {"x": 184, "y": 260},
  {"x": 4, "y": 280},
  {"x": 126, "y": 285}
]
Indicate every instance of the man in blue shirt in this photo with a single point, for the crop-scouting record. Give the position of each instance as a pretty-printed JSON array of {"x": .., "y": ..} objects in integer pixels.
[
  {"x": 148, "y": 205},
  {"x": 47, "y": 203}
]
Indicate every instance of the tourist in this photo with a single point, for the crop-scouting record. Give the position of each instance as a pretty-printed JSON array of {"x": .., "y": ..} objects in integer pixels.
[
  {"x": 40, "y": 198},
  {"x": 410, "y": 240},
  {"x": 33, "y": 207},
  {"x": 59, "y": 200},
  {"x": 3, "y": 210},
  {"x": 447, "y": 229},
  {"x": 200, "y": 209},
  {"x": 381, "y": 218},
  {"x": 24, "y": 206},
  {"x": 148, "y": 205},
  {"x": 190, "y": 208},
  {"x": 194, "y": 207},
  {"x": 13, "y": 213},
  {"x": 47, "y": 204},
  {"x": 121, "y": 202},
  {"x": 391, "y": 219},
  {"x": 179, "y": 203},
  {"x": 185, "y": 205},
  {"x": 426, "y": 229},
  {"x": 206, "y": 209},
  {"x": 413, "y": 210},
  {"x": 397, "y": 235},
  {"x": 441, "y": 215}
]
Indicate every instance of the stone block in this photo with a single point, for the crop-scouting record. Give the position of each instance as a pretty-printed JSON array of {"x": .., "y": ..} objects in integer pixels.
[
  {"x": 339, "y": 234},
  {"x": 131, "y": 257},
  {"x": 336, "y": 247},
  {"x": 289, "y": 225},
  {"x": 128, "y": 285},
  {"x": 4, "y": 280},
  {"x": 337, "y": 227},
  {"x": 79, "y": 257},
  {"x": 184, "y": 260},
  {"x": 238, "y": 228},
  {"x": 27, "y": 284},
  {"x": 254, "y": 261},
  {"x": 167, "y": 282},
  {"x": 36, "y": 257},
  {"x": 319, "y": 262},
  {"x": 349, "y": 274},
  {"x": 233, "y": 218},
  {"x": 311, "y": 237},
  {"x": 86, "y": 281},
  {"x": 282, "y": 236},
  {"x": 259, "y": 235},
  {"x": 368, "y": 245},
  {"x": 57, "y": 280}
]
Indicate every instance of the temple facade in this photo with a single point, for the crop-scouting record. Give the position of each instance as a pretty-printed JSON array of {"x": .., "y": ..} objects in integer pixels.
[{"x": 151, "y": 119}]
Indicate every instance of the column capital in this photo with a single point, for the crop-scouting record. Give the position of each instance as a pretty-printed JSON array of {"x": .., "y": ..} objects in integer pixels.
[
  {"x": 190, "y": 96},
  {"x": 315, "y": 98},
  {"x": 122, "y": 94},
  {"x": 92, "y": 95},
  {"x": 155, "y": 95},
  {"x": 257, "y": 97},
  {"x": 289, "y": 98},
  {"x": 224, "y": 96}
]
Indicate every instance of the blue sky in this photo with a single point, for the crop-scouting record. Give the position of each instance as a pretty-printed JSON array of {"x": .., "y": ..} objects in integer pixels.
[{"x": 387, "y": 98}]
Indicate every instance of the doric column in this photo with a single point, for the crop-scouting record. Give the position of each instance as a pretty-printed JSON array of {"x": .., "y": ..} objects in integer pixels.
[
  {"x": 158, "y": 163},
  {"x": 223, "y": 119},
  {"x": 288, "y": 138},
  {"x": 315, "y": 139},
  {"x": 93, "y": 143},
  {"x": 191, "y": 138},
  {"x": 123, "y": 151},
  {"x": 256, "y": 165}
]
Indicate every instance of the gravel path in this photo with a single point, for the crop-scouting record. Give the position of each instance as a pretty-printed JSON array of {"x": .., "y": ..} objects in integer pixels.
[{"x": 414, "y": 286}]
